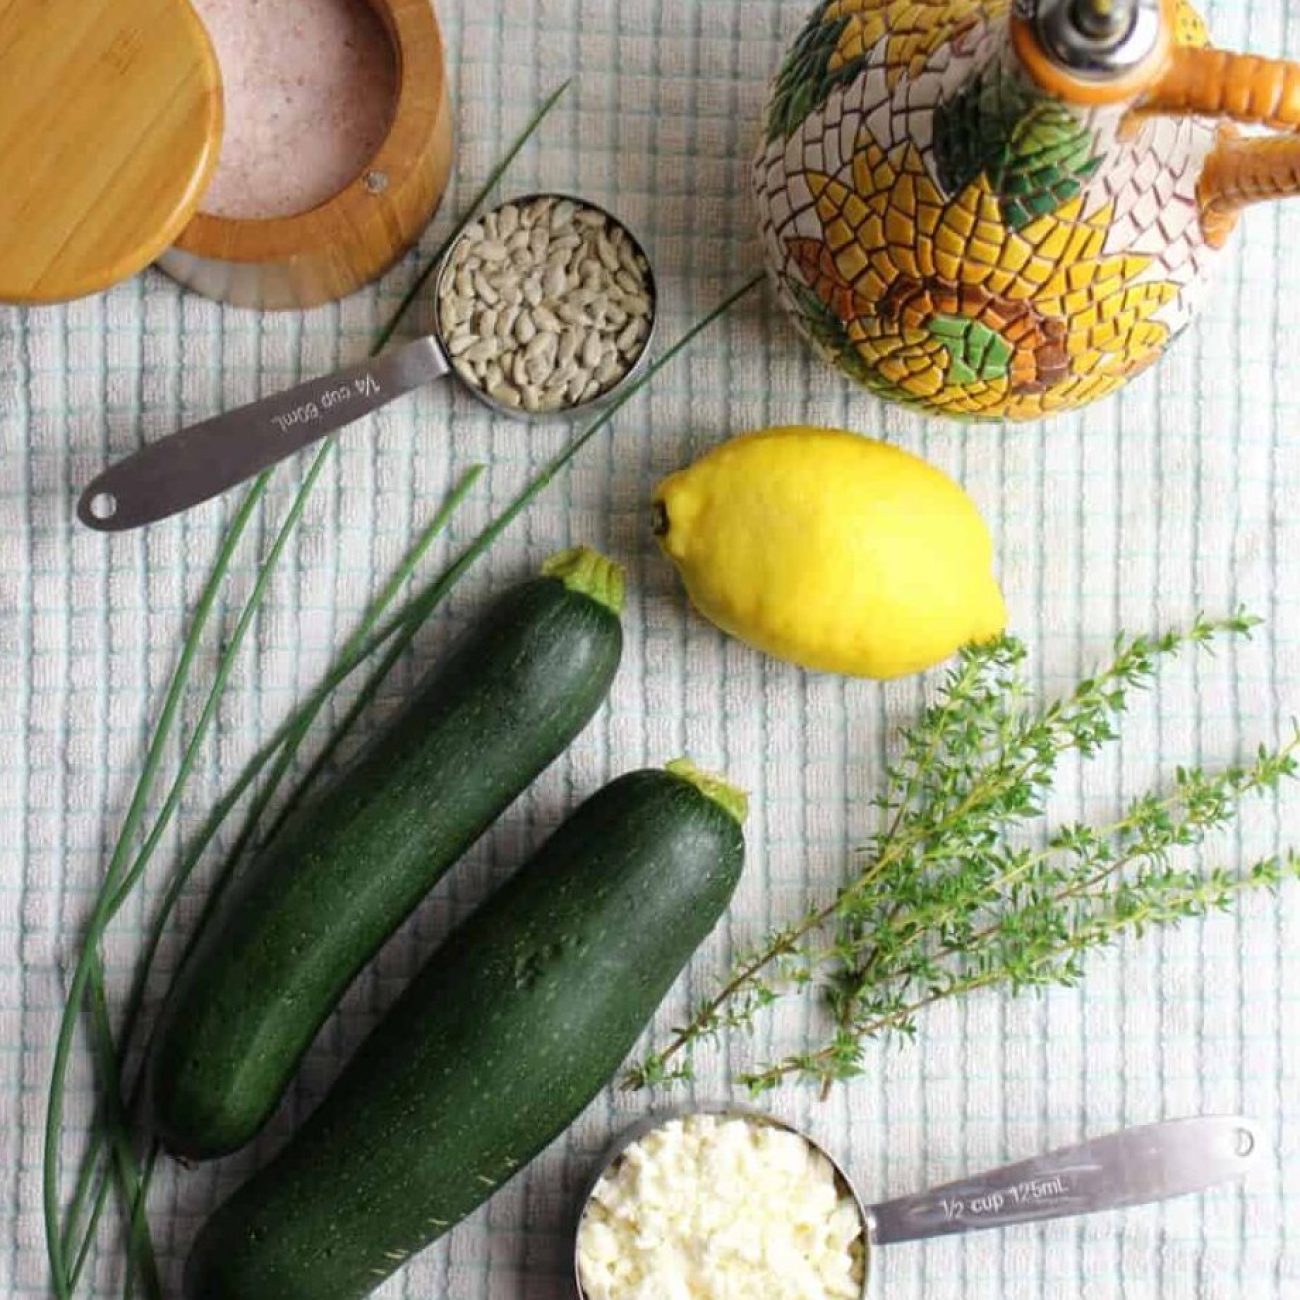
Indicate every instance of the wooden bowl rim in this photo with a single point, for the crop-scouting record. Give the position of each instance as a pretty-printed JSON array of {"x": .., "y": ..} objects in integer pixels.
[{"x": 416, "y": 38}]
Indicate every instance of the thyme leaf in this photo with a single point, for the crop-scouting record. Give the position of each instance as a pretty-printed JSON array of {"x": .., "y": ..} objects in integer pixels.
[{"x": 952, "y": 894}]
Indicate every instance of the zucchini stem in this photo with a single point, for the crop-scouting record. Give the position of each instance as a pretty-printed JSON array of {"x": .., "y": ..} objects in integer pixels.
[
  {"x": 589, "y": 574},
  {"x": 730, "y": 798}
]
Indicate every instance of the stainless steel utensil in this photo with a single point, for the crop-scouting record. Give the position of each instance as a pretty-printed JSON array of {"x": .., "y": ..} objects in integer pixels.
[
  {"x": 195, "y": 464},
  {"x": 1132, "y": 1167}
]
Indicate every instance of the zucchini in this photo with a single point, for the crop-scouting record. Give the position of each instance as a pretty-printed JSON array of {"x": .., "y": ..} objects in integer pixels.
[
  {"x": 509, "y": 1031},
  {"x": 316, "y": 904}
]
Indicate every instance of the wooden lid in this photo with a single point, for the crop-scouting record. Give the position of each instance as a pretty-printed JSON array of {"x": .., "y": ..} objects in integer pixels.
[{"x": 110, "y": 124}]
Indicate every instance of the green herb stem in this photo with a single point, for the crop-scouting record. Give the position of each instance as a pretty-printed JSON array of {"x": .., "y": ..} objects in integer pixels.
[
  {"x": 283, "y": 743},
  {"x": 945, "y": 901},
  {"x": 1194, "y": 897},
  {"x": 101, "y": 1028},
  {"x": 386, "y": 334},
  {"x": 88, "y": 965}
]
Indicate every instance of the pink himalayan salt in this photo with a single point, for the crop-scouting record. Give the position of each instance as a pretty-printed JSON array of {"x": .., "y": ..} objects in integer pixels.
[{"x": 309, "y": 89}]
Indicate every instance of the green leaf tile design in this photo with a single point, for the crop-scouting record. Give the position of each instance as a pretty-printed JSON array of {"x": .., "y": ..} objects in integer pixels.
[
  {"x": 977, "y": 352},
  {"x": 805, "y": 80}
]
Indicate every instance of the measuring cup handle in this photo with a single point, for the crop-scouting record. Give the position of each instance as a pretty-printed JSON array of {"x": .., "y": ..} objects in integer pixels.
[
  {"x": 1131, "y": 1167},
  {"x": 198, "y": 463}
]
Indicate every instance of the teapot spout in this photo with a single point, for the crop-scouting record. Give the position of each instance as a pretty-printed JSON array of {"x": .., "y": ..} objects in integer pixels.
[{"x": 1242, "y": 171}]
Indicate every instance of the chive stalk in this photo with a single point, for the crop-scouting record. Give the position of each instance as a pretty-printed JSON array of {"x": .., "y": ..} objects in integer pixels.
[
  {"x": 88, "y": 973},
  {"x": 396, "y": 635}
]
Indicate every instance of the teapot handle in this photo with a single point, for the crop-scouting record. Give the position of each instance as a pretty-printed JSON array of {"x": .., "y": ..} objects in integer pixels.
[
  {"x": 1240, "y": 88},
  {"x": 1152, "y": 56},
  {"x": 1217, "y": 83}
]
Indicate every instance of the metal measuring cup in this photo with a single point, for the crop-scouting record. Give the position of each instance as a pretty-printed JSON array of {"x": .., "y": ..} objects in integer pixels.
[
  {"x": 197, "y": 463},
  {"x": 1152, "y": 1162}
]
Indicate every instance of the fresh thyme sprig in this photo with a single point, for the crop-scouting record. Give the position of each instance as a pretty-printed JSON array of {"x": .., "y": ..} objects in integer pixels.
[{"x": 950, "y": 895}]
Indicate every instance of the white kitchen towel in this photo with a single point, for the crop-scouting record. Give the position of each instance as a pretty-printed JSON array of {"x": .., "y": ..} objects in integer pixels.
[{"x": 1177, "y": 496}]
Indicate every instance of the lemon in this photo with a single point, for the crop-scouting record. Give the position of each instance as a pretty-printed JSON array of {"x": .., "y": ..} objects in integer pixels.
[{"x": 832, "y": 551}]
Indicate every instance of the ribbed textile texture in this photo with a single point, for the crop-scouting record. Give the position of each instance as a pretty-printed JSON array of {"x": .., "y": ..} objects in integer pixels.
[{"x": 1175, "y": 497}]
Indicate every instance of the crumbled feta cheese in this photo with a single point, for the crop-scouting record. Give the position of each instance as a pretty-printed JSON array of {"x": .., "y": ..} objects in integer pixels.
[{"x": 716, "y": 1208}]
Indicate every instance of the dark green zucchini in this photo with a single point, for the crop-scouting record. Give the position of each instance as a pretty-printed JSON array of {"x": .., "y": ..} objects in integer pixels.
[
  {"x": 508, "y": 1032},
  {"x": 318, "y": 902}
]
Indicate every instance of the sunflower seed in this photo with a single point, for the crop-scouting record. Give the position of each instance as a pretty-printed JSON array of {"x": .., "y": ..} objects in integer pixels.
[
  {"x": 508, "y": 220},
  {"x": 455, "y": 311},
  {"x": 542, "y": 345},
  {"x": 627, "y": 260},
  {"x": 555, "y": 282},
  {"x": 507, "y": 393},
  {"x": 610, "y": 368},
  {"x": 460, "y": 342},
  {"x": 545, "y": 319},
  {"x": 506, "y": 322},
  {"x": 564, "y": 371},
  {"x": 592, "y": 351},
  {"x": 482, "y": 351},
  {"x": 533, "y": 291},
  {"x": 484, "y": 291},
  {"x": 491, "y": 250},
  {"x": 572, "y": 315},
  {"x": 606, "y": 252},
  {"x": 569, "y": 341},
  {"x": 565, "y": 210},
  {"x": 630, "y": 338},
  {"x": 524, "y": 327}
]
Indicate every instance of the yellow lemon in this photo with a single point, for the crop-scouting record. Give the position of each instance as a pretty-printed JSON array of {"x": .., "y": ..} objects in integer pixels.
[{"x": 832, "y": 550}]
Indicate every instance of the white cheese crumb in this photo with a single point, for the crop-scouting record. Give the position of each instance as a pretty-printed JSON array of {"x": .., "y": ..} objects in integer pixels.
[{"x": 714, "y": 1208}]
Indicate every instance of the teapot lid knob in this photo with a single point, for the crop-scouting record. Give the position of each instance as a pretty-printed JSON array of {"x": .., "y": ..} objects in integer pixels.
[{"x": 1098, "y": 40}]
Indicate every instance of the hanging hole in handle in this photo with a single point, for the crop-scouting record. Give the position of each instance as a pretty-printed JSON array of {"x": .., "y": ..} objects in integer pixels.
[
  {"x": 1244, "y": 1142},
  {"x": 102, "y": 506}
]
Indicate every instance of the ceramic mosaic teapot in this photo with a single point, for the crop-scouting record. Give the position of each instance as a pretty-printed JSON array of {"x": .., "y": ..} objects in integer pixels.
[{"x": 997, "y": 210}]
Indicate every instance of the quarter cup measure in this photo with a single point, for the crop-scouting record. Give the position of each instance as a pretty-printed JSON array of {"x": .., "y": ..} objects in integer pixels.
[{"x": 195, "y": 464}]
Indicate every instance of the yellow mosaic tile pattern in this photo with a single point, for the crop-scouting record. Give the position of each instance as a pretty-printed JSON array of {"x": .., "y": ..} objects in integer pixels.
[
  {"x": 896, "y": 257},
  {"x": 1189, "y": 27},
  {"x": 916, "y": 29}
]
